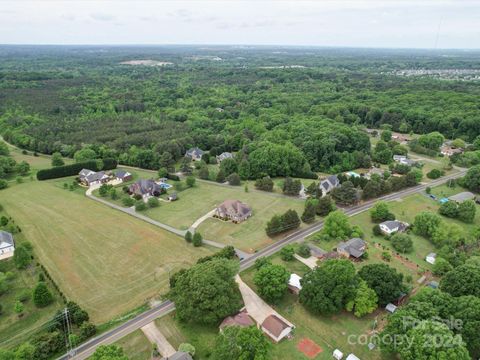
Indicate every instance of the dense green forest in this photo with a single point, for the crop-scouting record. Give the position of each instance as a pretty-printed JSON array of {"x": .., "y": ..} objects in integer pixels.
[{"x": 307, "y": 105}]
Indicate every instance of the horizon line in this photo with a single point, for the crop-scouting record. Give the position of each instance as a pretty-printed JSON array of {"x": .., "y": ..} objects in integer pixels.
[{"x": 241, "y": 45}]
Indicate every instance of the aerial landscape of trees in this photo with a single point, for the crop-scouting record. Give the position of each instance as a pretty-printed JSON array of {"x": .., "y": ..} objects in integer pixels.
[
  {"x": 287, "y": 129},
  {"x": 285, "y": 122}
]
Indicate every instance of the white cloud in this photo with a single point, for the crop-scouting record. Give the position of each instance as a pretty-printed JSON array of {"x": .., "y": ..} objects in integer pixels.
[{"x": 369, "y": 23}]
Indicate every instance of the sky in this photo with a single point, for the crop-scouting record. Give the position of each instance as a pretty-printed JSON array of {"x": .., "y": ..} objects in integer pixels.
[{"x": 361, "y": 23}]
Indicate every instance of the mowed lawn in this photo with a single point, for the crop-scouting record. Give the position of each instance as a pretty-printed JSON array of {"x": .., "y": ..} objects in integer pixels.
[
  {"x": 103, "y": 259},
  {"x": 329, "y": 332},
  {"x": 195, "y": 202},
  {"x": 405, "y": 210}
]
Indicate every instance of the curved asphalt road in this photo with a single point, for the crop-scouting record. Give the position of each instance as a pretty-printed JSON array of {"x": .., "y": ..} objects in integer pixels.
[{"x": 87, "y": 349}]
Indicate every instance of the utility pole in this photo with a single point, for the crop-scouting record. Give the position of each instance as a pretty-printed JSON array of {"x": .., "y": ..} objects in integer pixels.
[{"x": 67, "y": 328}]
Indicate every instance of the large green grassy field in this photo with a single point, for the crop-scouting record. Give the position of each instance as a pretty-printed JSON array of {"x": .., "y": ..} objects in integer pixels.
[
  {"x": 204, "y": 197},
  {"x": 103, "y": 259},
  {"x": 197, "y": 201}
]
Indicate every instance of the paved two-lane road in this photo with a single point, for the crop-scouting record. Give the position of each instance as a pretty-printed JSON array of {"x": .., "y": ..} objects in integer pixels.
[{"x": 87, "y": 349}]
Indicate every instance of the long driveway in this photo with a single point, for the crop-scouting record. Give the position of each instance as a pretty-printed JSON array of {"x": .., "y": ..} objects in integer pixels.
[{"x": 88, "y": 348}]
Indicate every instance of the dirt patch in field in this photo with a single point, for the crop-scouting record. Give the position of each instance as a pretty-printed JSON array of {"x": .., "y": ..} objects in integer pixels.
[{"x": 309, "y": 348}]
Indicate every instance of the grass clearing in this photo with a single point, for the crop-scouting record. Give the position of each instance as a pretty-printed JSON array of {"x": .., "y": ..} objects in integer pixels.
[
  {"x": 13, "y": 329},
  {"x": 103, "y": 259},
  {"x": 136, "y": 346},
  {"x": 197, "y": 201}
]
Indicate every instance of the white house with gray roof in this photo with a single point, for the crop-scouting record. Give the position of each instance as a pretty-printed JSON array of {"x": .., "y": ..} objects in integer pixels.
[
  {"x": 195, "y": 153},
  {"x": 223, "y": 156},
  {"x": 391, "y": 226},
  {"x": 328, "y": 184},
  {"x": 7, "y": 245}
]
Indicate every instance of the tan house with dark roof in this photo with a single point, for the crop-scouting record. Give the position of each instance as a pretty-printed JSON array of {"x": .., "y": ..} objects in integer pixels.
[
  {"x": 233, "y": 210},
  {"x": 276, "y": 328}
]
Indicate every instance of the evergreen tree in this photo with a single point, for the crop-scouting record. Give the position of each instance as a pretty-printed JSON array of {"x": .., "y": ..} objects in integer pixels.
[
  {"x": 41, "y": 295},
  {"x": 308, "y": 215},
  {"x": 197, "y": 239}
]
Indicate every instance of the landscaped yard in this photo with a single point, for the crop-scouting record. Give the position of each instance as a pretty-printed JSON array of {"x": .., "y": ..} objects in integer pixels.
[
  {"x": 197, "y": 201},
  {"x": 329, "y": 332},
  {"x": 103, "y": 259}
]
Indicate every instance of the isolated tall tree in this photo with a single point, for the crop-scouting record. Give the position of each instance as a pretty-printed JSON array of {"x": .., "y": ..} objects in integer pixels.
[
  {"x": 345, "y": 194},
  {"x": 207, "y": 292},
  {"x": 336, "y": 226},
  {"x": 380, "y": 212},
  {"x": 22, "y": 257},
  {"x": 197, "y": 239},
  {"x": 308, "y": 215},
  {"x": 328, "y": 288},
  {"x": 57, "y": 159},
  {"x": 384, "y": 280},
  {"x": 325, "y": 206},
  {"x": 426, "y": 223},
  {"x": 41, "y": 295},
  {"x": 272, "y": 282},
  {"x": 471, "y": 180}
]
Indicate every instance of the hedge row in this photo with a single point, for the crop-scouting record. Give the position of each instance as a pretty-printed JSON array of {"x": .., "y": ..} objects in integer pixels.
[
  {"x": 66, "y": 170},
  {"x": 74, "y": 169}
]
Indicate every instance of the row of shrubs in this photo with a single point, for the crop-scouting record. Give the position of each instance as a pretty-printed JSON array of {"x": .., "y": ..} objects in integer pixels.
[
  {"x": 46, "y": 274},
  {"x": 74, "y": 169}
]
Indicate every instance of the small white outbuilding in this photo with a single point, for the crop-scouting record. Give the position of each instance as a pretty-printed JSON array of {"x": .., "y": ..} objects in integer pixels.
[
  {"x": 352, "y": 357},
  {"x": 430, "y": 258},
  {"x": 337, "y": 354}
]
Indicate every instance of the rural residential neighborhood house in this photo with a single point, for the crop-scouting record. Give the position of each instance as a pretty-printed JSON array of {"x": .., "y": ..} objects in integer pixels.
[
  {"x": 88, "y": 177},
  {"x": 7, "y": 245},
  {"x": 276, "y": 328},
  {"x": 401, "y": 159},
  {"x": 195, "y": 154},
  {"x": 391, "y": 226},
  {"x": 233, "y": 210},
  {"x": 354, "y": 247},
  {"x": 328, "y": 184},
  {"x": 123, "y": 176},
  {"x": 294, "y": 284},
  {"x": 223, "y": 156},
  {"x": 461, "y": 197},
  {"x": 241, "y": 319},
  {"x": 145, "y": 188},
  {"x": 448, "y": 150}
]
